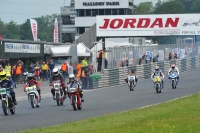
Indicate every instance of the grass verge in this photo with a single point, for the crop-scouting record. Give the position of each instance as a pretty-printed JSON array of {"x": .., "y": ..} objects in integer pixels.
[{"x": 178, "y": 116}]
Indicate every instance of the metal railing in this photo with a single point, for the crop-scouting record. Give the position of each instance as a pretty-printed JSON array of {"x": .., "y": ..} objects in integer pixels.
[{"x": 137, "y": 55}]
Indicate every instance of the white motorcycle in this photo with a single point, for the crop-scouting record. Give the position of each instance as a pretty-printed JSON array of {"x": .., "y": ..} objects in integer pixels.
[
  {"x": 33, "y": 96},
  {"x": 59, "y": 94},
  {"x": 131, "y": 82}
]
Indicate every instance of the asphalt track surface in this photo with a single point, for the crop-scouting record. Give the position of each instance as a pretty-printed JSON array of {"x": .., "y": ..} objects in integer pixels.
[{"x": 97, "y": 102}]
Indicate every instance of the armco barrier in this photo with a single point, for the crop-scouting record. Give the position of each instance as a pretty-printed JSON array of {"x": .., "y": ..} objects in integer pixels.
[{"x": 116, "y": 76}]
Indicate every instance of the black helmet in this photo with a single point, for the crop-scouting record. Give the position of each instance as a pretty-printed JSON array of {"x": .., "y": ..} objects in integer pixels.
[{"x": 132, "y": 70}]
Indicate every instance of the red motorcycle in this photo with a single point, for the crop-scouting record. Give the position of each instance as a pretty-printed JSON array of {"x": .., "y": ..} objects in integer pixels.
[
  {"x": 75, "y": 98},
  {"x": 59, "y": 94}
]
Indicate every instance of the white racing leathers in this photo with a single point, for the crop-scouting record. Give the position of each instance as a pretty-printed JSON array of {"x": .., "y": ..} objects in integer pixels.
[{"x": 175, "y": 70}]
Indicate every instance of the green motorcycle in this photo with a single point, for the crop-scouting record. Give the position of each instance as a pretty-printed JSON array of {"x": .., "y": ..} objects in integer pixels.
[{"x": 7, "y": 102}]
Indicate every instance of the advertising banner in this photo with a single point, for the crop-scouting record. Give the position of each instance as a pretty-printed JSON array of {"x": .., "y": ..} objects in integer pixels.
[
  {"x": 22, "y": 48},
  {"x": 55, "y": 33},
  {"x": 130, "y": 58},
  {"x": 148, "y": 53},
  {"x": 34, "y": 28},
  {"x": 136, "y": 54},
  {"x": 123, "y": 56},
  {"x": 182, "y": 53},
  {"x": 148, "y": 25},
  {"x": 161, "y": 55}
]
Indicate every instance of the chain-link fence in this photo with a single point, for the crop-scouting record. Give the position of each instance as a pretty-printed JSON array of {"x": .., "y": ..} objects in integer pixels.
[{"x": 136, "y": 55}]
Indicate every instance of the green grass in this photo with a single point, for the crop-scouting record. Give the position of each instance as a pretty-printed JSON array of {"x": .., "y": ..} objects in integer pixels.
[{"x": 179, "y": 116}]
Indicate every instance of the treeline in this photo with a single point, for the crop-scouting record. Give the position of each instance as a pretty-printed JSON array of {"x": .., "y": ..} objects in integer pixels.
[
  {"x": 23, "y": 31},
  {"x": 168, "y": 7}
]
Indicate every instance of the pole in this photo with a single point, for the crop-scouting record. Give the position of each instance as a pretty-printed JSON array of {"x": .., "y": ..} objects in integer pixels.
[{"x": 103, "y": 57}]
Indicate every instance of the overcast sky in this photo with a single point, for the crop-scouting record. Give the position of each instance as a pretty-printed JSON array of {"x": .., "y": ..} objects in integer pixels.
[{"x": 20, "y": 10}]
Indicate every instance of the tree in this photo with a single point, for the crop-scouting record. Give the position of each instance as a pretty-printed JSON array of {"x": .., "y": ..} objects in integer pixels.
[
  {"x": 2, "y": 28},
  {"x": 170, "y": 7},
  {"x": 187, "y": 5},
  {"x": 25, "y": 31},
  {"x": 195, "y": 6},
  {"x": 144, "y": 8},
  {"x": 12, "y": 30}
]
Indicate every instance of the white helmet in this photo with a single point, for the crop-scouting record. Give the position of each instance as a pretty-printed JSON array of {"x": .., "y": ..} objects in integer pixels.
[
  {"x": 71, "y": 76},
  {"x": 55, "y": 71}
]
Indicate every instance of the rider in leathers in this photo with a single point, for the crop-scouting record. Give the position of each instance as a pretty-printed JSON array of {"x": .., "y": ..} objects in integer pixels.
[
  {"x": 75, "y": 84},
  {"x": 31, "y": 80},
  {"x": 132, "y": 73},
  {"x": 158, "y": 72},
  {"x": 6, "y": 83},
  {"x": 172, "y": 70},
  {"x": 57, "y": 76}
]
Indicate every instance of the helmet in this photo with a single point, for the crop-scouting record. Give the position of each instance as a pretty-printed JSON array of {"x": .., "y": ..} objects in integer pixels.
[
  {"x": 3, "y": 75},
  {"x": 157, "y": 68},
  {"x": 30, "y": 76},
  {"x": 173, "y": 66},
  {"x": 55, "y": 71},
  {"x": 71, "y": 77},
  {"x": 132, "y": 70}
]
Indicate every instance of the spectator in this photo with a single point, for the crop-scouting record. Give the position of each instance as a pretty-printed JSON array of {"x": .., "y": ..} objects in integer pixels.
[
  {"x": 37, "y": 70},
  {"x": 8, "y": 69},
  {"x": 31, "y": 68},
  {"x": 44, "y": 71},
  {"x": 13, "y": 72},
  {"x": 19, "y": 71},
  {"x": 155, "y": 59},
  {"x": 64, "y": 69},
  {"x": 70, "y": 69},
  {"x": 170, "y": 56},
  {"x": 78, "y": 70},
  {"x": 51, "y": 67},
  {"x": 84, "y": 62},
  {"x": 175, "y": 56}
]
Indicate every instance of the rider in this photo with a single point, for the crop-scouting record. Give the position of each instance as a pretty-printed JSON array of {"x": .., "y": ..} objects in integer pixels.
[
  {"x": 158, "y": 72},
  {"x": 57, "y": 76},
  {"x": 6, "y": 83},
  {"x": 172, "y": 70},
  {"x": 75, "y": 84},
  {"x": 31, "y": 80},
  {"x": 132, "y": 73}
]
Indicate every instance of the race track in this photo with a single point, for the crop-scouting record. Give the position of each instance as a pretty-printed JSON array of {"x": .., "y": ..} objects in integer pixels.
[{"x": 97, "y": 102}]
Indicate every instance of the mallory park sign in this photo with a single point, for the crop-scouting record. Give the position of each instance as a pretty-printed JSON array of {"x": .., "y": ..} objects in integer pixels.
[{"x": 101, "y": 4}]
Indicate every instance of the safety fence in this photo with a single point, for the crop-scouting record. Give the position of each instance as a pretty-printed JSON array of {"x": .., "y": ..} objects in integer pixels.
[
  {"x": 116, "y": 76},
  {"x": 135, "y": 55}
]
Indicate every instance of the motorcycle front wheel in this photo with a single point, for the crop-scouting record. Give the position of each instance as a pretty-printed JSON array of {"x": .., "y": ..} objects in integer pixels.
[
  {"x": 74, "y": 102},
  {"x": 131, "y": 85},
  {"x": 5, "y": 107},
  {"x": 57, "y": 99},
  {"x": 32, "y": 101}
]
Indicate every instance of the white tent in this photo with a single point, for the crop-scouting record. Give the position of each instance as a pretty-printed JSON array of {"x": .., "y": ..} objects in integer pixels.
[{"x": 83, "y": 50}]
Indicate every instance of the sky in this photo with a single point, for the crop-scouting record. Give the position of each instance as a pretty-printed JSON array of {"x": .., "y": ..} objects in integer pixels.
[{"x": 20, "y": 10}]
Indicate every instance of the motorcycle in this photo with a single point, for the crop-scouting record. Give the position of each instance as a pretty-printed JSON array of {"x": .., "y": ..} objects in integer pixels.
[
  {"x": 7, "y": 102},
  {"x": 33, "y": 95},
  {"x": 59, "y": 94},
  {"x": 157, "y": 84},
  {"x": 75, "y": 98},
  {"x": 131, "y": 80},
  {"x": 173, "y": 80}
]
